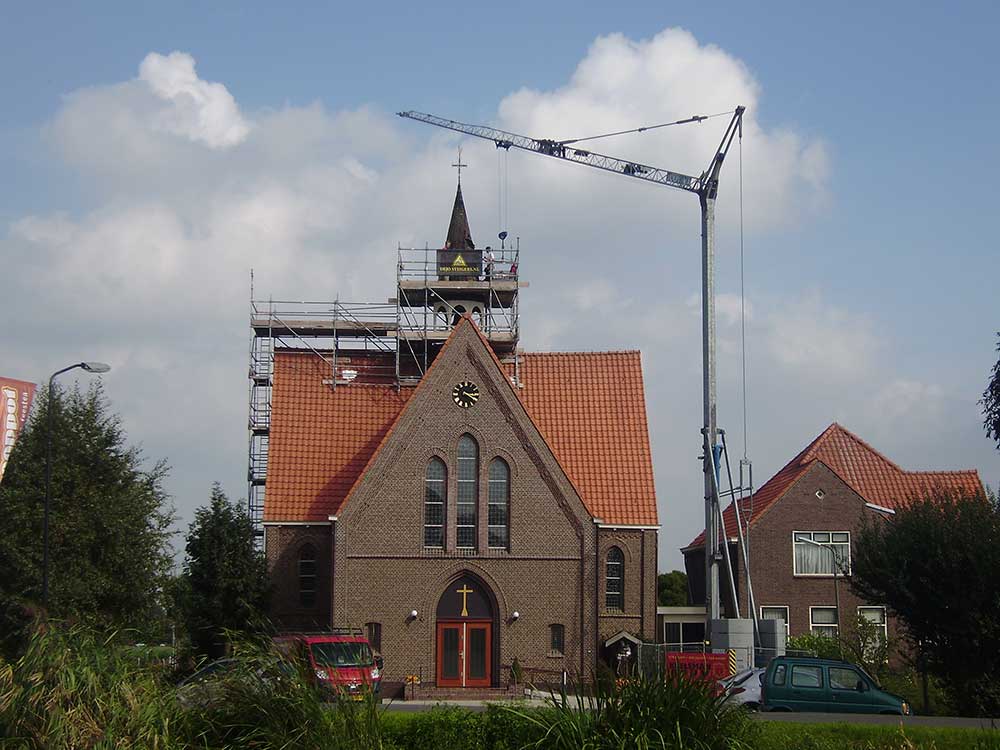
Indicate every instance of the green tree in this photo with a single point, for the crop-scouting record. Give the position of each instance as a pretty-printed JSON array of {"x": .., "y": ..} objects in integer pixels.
[
  {"x": 224, "y": 585},
  {"x": 109, "y": 537},
  {"x": 934, "y": 565},
  {"x": 672, "y": 589},
  {"x": 991, "y": 402}
]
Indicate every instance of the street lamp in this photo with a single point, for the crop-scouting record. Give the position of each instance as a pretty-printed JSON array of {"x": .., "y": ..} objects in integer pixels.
[
  {"x": 97, "y": 367},
  {"x": 836, "y": 591}
]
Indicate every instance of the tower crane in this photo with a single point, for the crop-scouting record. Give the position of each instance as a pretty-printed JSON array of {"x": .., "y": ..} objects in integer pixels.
[{"x": 706, "y": 187}]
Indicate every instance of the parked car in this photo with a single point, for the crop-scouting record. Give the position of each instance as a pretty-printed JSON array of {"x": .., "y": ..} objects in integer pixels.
[
  {"x": 341, "y": 661},
  {"x": 794, "y": 683},
  {"x": 207, "y": 685},
  {"x": 743, "y": 688}
]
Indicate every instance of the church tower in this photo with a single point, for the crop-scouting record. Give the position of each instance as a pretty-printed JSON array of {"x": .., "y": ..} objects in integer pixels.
[{"x": 437, "y": 287}]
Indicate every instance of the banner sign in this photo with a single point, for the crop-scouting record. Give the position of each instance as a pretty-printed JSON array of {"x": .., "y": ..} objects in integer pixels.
[
  {"x": 459, "y": 262},
  {"x": 15, "y": 401}
]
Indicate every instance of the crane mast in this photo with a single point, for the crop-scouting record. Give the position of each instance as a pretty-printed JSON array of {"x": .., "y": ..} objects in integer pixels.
[{"x": 706, "y": 187}]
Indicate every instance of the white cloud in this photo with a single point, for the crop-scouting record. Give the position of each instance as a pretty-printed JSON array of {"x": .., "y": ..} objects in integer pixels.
[
  {"x": 820, "y": 341},
  {"x": 199, "y": 110},
  {"x": 623, "y": 84}
]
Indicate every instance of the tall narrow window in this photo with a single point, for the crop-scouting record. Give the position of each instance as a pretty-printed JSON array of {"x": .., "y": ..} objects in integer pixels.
[
  {"x": 468, "y": 492},
  {"x": 557, "y": 640},
  {"x": 614, "y": 589},
  {"x": 374, "y": 632},
  {"x": 499, "y": 508},
  {"x": 435, "y": 484},
  {"x": 307, "y": 576}
]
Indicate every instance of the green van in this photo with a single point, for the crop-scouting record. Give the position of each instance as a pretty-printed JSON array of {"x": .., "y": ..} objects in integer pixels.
[{"x": 794, "y": 683}]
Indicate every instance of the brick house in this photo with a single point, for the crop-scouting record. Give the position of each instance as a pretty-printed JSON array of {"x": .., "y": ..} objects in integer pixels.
[
  {"x": 805, "y": 514},
  {"x": 490, "y": 509}
]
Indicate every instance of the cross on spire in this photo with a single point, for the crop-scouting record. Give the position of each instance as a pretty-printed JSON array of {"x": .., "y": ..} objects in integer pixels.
[{"x": 459, "y": 165}]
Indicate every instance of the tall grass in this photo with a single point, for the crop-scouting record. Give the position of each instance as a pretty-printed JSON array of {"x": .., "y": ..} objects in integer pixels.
[
  {"x": 75, "y": 688},
  {"x": 666, "y": 712}
]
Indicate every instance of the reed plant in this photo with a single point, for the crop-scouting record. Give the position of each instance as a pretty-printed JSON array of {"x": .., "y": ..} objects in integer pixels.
[
  {"x": 668, "y": 711},
  {"x": 77, "y": 688}
]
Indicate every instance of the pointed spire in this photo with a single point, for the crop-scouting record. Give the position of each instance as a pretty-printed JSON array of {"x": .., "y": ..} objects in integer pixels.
[{"x": 459, "y": 235}]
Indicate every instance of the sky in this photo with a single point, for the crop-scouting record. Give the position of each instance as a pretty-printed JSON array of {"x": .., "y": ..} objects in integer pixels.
[{"x": 153, "y": 154}]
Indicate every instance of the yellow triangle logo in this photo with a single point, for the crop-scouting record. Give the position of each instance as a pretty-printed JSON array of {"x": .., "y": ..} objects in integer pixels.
[{"x": 459, "y": 261}]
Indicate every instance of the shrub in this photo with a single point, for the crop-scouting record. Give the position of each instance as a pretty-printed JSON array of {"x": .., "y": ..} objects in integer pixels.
[{"x": 669, "y": 711}]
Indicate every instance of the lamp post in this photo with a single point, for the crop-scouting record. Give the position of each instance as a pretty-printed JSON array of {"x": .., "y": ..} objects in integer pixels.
[
  {"x": 97, "y": 367},
  {"x": 836, "y": 591}
]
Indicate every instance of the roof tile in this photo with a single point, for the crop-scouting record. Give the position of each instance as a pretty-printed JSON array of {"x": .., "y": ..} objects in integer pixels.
[
  {"x": 589, "y": 407},
  {"x": 873, "y": 476}
]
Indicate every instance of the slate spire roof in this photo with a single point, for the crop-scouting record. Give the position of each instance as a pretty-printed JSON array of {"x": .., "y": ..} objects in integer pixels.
[
  {"x": 866, "y": 471},
  {"x": 459, "y": 234}
]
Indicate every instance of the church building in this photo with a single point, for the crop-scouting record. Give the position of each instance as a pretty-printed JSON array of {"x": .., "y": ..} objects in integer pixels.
[{"x": 417, "y": 474}]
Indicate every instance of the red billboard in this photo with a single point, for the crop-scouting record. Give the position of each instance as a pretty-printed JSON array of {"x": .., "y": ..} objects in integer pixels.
[{"x": 15, "y": 401}]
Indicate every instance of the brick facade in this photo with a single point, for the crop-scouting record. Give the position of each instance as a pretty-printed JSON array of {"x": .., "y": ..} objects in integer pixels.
[
  {"x": 837, "y": 483},
  {"x": 375, "y": 567},
  {"x": 800, "y": 509}
]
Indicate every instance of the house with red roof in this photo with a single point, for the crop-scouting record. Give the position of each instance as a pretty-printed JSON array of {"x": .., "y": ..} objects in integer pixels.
[
  {"x": 800, "y": 527},
  {"x": 481, "y": 505}
]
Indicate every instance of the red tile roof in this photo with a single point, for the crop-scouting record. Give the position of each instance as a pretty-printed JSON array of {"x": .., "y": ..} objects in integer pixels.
[
  {"x": 589, "y": 407},
  {"x": 873, "y": 476},
  {"x": 321, "y": 437}
]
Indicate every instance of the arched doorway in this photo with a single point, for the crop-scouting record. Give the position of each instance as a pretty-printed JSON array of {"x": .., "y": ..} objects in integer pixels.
[{"x": 466, "y": 634}]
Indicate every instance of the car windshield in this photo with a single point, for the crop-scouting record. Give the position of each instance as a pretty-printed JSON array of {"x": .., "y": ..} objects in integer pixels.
[{"x": 342, "y": 654}]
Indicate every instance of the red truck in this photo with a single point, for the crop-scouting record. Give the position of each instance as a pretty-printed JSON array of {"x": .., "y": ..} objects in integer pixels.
[{"x": 340, "y": 660}]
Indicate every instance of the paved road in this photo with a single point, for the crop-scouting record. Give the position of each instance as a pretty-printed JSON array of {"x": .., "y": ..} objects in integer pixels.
[{"x": 796, "y": 718}]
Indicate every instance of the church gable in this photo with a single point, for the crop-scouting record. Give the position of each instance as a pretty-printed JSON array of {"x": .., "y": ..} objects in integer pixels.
[{"x": 462, "y": 458}]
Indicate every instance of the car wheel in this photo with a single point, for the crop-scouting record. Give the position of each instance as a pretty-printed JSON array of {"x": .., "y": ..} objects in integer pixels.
[{"x": 752, "y": 706}]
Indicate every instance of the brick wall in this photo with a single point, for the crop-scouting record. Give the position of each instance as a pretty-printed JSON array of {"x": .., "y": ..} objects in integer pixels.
[
  {"x": 552, "y": 571},
  {"x": 282, "y": 545},
  {"x": 771, "y": 552}
]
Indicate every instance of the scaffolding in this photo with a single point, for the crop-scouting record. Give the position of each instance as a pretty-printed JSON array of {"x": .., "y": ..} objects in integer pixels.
[{"x": 391, "y": 343}]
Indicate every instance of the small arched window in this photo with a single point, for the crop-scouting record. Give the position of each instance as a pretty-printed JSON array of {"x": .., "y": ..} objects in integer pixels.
[
  {"x": 614, "y": 580},
  {"x": 307, "y": 576},
  {"x": 435, "y": 484},
  {"x": 499, "y": 506},
  {"x": 468, "y": 492}
]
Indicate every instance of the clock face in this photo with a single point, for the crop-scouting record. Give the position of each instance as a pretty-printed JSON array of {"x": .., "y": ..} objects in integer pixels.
[{"x": 465, "y": 394}]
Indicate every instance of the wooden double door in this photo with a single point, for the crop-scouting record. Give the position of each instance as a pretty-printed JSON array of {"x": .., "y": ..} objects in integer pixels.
[{"x": 464, "y": 653}]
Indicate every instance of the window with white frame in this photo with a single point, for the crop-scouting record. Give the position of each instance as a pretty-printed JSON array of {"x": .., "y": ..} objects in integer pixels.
[
  {"x": 775, "y": 613},
  {"x": 876, "y": 616},
  {"x": 614, "y": 569},
  {"x": 816, "y": 552},
  {"x": 823, "y": 620}
]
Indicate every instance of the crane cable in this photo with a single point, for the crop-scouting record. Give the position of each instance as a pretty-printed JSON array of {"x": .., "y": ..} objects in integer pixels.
[
  {"x": 686, "y": 120},
  {"x": 743, "y": 348},
  {"x": 503, "y": 189}
]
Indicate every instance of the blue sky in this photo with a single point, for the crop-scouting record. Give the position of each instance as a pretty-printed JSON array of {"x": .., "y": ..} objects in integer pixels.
[{"x": 871, "y": 281}]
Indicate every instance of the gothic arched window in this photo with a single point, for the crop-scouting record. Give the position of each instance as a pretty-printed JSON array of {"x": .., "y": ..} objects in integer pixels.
[
  {"x": 435, "y": 489},
  {"x": 468, "y": 492},
  {"x": 614, "y": 580},
  {"x": 499, "y": 507},
  {"x": 307, "y": 575}
]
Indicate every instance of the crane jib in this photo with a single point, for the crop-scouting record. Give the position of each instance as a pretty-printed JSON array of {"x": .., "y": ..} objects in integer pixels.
[{"x": 506, "y": 140}]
